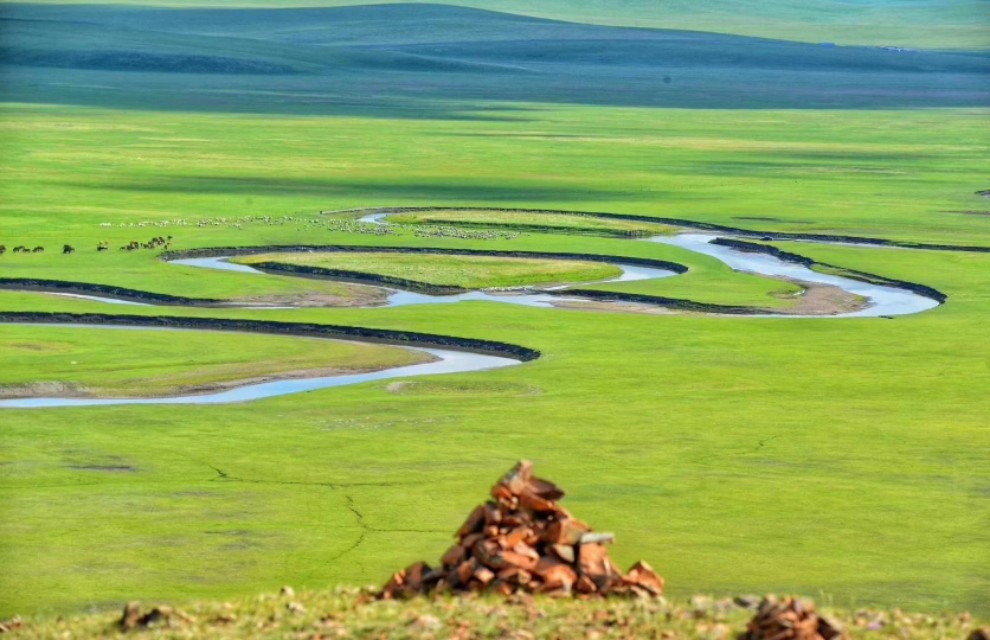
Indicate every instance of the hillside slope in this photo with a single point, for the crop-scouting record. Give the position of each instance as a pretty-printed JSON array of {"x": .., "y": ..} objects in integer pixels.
[
  {"x": 944, "y": 24},
  {"x": 425, "y": 58}
]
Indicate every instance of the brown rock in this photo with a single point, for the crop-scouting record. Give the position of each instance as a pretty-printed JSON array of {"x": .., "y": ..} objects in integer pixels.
[
  {"x": 642, "y": 575},
  {"x": 545, "y": 489},
  {"x": 132, "y": 617},
  {"x": 563, "y": 551},
  {"x": 488, "y": 553},
  {"x": 790, "y": 619},
  {"x": 593, "y": 561},
  {"x": 533, "y": 502},
  {"x": 472, "y": 539},
  {"x": 502, "y": 588},
  {"x": 524, "y": 541},
  {"x": 454, "y": 556},
  {"x": 132, "y": 613},
  {"x": 13, "y": 624},
  {"x": 415, "y": 573},
  {"x": 465, "y": 570},
  {"x": 559, "y": 577},
  {"x": 515, "y": 575},
  {"x": 585, "y": 585},
  {"x": 517, "y": 536},
  {"x": 523, "y": 561},
  {"x": 473, "y": 523},
  {"x": 483, "y": 575},
  {"x": 518, "y": 477},
  {"x": 493, "y": 515},
  {"x": 566, "y": 531}
]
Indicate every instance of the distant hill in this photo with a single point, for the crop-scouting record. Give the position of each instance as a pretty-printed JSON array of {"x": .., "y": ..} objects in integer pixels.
[
  {"x": 424, "y": 57},
  {"x": 937, "y": 24}
]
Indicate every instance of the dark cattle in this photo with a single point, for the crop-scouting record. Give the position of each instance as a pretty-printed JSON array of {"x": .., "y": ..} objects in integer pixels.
[
  {"x": 67, "y": 248},
  {"x": 3, "y": 249},
  {"x": 38, "y": 250},
  {"x": 103, "y": 246}
]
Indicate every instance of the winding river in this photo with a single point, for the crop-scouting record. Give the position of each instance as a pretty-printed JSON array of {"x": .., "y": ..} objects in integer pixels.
[
  {"x": 448, "y": 361},
  {"x": 883, "y": 301}
]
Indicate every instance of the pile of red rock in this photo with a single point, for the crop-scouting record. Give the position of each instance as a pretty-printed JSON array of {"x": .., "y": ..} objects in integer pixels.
[
  {"x": 522, "y": 540},
  {"x": 790, "y": 619}
]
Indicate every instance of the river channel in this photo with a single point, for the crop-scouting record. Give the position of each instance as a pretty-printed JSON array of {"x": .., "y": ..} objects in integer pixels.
[{"x": 885, "y": 301}]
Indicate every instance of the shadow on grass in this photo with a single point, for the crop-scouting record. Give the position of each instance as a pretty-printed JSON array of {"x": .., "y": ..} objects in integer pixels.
[{"x": 448, "y": 190}]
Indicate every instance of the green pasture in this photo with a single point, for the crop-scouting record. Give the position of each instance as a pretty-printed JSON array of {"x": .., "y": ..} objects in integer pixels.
[
  {"x": 560, "y": 223},
  {"x": 842, "y": 459},
  {"x": 93, "y": 363},
  {"x": 470, "y": 272}
]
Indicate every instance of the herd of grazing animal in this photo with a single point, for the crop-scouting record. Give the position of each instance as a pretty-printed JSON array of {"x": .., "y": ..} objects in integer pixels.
[
  {"x": 21, "y": 249},
  {"x": 104, "y": 245}
]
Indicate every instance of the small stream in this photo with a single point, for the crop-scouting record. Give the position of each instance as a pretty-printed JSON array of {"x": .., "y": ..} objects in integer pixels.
[
  {"x": 400, "y": 298},
  {"x": 883, "y": 300},
  {"x": 449, "y": 361}
]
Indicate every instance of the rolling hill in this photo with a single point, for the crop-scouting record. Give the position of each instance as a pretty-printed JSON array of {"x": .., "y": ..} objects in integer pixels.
[
  {"x": 429, "y": 60},
  {"x": 942, "y": 24}
]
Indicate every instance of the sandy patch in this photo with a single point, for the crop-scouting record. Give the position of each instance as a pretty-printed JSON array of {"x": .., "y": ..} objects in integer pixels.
[{"x": 372, "y": 298}]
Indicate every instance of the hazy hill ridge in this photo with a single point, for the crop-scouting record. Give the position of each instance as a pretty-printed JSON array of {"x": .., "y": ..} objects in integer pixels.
[{"x": 417, "y": 54}]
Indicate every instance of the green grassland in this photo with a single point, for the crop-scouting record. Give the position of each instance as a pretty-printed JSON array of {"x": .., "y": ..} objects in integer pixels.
[
  {"x": 536, "y": 221},
  {"x": 836, "y": 457},
  {"x": 92, "y": 362},
  {"x": 469, "y": 272}
]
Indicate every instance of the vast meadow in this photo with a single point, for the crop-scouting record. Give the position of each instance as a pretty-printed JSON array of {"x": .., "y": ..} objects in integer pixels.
[{"x": 839, "y": 458}]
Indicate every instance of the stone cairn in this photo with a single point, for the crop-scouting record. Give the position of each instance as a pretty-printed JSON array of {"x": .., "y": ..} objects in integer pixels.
[
  {"x": 523, "y": 541},
  {"x": 789, "y": 619}
]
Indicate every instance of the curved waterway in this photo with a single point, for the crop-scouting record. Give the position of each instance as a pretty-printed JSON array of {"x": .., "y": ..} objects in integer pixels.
[
  {"x": 400, "y": 298},
  {"x": 886, "y": 301},
  {"x": 448, "y": 361},
  {"x": 883, "y": 300}
]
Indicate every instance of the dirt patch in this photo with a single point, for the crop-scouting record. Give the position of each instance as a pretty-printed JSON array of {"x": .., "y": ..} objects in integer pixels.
[
  {"x": 50, "y": 389},
  {"x": 372, "y": 297},
  {"x": 822, "y": 300},
  {"x": 615, "y": 306}
]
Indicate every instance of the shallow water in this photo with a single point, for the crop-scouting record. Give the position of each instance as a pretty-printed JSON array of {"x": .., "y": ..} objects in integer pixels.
[
  {"x": 450, "y": 362},
  {"x": 884, "y": 301},
  {"x": 401, "y": 298}
]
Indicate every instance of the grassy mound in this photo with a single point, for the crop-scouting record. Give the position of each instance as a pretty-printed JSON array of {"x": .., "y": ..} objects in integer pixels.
[{"x": 469, "y": 272}]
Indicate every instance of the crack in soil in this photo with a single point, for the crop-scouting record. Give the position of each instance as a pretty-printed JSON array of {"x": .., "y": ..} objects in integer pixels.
[
  {"x": 359, "y": 518},
  {"x": 223, "y": 475}
]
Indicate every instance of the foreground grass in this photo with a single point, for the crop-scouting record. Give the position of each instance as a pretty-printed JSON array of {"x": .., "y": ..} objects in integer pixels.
[{"x": 350, "y": 613}]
